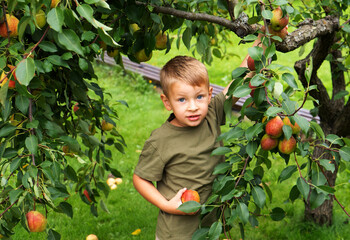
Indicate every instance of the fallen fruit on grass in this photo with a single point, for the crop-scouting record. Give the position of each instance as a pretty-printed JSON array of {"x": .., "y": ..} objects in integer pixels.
[
  {"x": 86, "y": 193},
  {"x": 36, "y": 221},
  {"x": 190, "y": 195},
  {"x": 113, "y": 186},
  {"x": 110, "y": 181},
  {"x": 118, "y": 181},
  {"x": 274, "y": 127},
  {"x": 287, "y": 146},
  {"x": 268, "y": 143},
  {"x": 91, "y": 237}
]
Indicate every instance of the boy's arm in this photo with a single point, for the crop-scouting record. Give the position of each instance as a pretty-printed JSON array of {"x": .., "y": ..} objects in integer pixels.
[
  {"x": 151, "y": 194},
  {"x": 243, "y": 64}
]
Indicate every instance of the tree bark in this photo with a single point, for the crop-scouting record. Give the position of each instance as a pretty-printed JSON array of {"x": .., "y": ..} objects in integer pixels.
[
  {"x": 323, "y": 215},
  {"x": 330, "y": 113}
]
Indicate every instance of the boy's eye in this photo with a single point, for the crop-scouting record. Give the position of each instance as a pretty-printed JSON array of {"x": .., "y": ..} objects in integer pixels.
[
  {"x": 181, "y": 99},
  {"x": 199, "y": 97}
]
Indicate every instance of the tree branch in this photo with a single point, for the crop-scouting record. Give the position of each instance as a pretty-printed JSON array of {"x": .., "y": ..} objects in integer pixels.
[
  {"x": 307, "y": 31},
  {"x": 240, "y": 26}
]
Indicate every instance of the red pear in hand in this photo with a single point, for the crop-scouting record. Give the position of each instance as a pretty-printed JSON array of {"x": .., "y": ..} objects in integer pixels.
[{"x": 190, "y": 195}]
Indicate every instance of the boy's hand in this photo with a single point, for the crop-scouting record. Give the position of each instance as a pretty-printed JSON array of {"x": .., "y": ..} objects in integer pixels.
[{"x": 175, "y": 202}]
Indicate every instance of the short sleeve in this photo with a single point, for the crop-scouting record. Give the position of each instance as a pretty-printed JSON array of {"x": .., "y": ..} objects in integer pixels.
[
  {"x": 217, "y": 104},
  {"x": 150, "y": 165}
]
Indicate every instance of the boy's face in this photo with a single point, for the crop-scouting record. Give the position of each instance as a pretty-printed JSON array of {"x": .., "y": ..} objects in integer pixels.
[{"x": 188, "y": 103}]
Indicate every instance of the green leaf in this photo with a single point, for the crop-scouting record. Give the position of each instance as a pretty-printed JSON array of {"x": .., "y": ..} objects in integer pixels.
[
  {"x": 303, "y": 187},
  {"x": 66, "y": 208},
  {"x": 87, "y": 12},
  {"x": 222, "y": 168},
  {"x": 189, "y": 207},
  {"x": 256, "y": 53},
  {"x": 55, "y": 18},
  {"x": 345, "y": 153},
  {"x": 317, "y": 129},
  {"x": 272, "y": 111},
  {"x": 7, "y": 129},
  {"x": 248, "y": 175},
  {"x": 238, "y": 72},
  {"x": 215, "y": 230},
  {"x": 221, "y": 151},
  {"x": 326, "y": 189},
  {"x": 22, "y": 103},
  {"x": 287, "y": 131},
  {"x": 200, "y": 234},
  {"x": 290, "y": 80},
  {"x": 242, "y": 91},
  {"x": 259, "y": 196},
  {"x": 318, "y": 178},
  {"x": 25, "y": 71},
  {"x": 294, "y": 193},
  {"x": 48, "y": 46},
  {"x": 15, "y": 164},
  {"x": 32, "y": 144},
  {"x": 243, "y": 212},
  {"x": 71, "y": 41},
  {"x": 327, "y": 164},
  {"x": 53, "y": 235},
  {"x": 254, "y": 131},
  {"x": 14, "y": 194},
  {"x": 251, "y": 148},
  {"x": 186, "y": 37},
  {"x": 341, "y": 94},
  {"x": 267, "y": 14},
  {"x": 104, "y": 206},
  {"x": 277, "y": 214},
  {"x": 58, "y": 61},
  {"x": 334, "y": 140},
  {"x": 302, "y": 122},
  {"x": 287, "y": 173}
]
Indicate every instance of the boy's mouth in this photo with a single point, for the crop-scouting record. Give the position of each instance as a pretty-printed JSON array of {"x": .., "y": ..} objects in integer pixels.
[{"x": 193, "y": 117}]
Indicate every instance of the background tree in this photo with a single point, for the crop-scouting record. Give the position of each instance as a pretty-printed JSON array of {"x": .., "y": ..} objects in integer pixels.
[{"x": 56, "y": 103}]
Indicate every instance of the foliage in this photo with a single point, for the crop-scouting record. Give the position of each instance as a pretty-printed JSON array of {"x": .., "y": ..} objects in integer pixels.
[
  {"x": 56, "y": 112},
  {"x": 51, "y": 133}
]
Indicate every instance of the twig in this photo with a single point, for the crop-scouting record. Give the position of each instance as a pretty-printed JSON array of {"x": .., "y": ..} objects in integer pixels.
[{"x": 242, "y": 172}]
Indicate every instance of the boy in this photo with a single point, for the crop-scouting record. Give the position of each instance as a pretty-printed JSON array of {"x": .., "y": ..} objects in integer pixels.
[{"x": 178, "y": 154}]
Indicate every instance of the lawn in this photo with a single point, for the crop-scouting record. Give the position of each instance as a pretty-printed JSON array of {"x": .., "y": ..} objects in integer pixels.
[{"x": 128, "y": 211}]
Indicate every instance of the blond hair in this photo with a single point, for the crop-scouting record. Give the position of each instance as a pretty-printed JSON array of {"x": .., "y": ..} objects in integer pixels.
[{"x": 185, "y": 69}]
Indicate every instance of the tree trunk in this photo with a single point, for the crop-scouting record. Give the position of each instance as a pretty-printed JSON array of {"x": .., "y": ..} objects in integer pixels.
[
  {"x": 330, "y": 112},
  {"x": 323, "y": 215}
]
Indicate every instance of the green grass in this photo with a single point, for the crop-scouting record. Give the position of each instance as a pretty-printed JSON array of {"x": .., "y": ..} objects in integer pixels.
[{"x": 128, "y": 211}]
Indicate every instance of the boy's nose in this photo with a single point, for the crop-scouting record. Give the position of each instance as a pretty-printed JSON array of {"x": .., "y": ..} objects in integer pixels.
[{"x": 192, "y": 106}]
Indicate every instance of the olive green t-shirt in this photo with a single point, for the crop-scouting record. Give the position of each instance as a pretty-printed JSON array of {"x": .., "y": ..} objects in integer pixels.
[{"x": 178, "y": 157}]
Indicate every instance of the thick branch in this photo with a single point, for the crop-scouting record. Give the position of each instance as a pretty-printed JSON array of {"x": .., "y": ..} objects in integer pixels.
[
  {"x": 240, "y": 26},
  {"x": 318, "y": 55},
  {"x": 307, "y": 31}
]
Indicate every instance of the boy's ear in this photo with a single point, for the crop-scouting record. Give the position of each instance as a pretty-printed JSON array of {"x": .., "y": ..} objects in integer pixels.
[
  {"x": 210, "y": 93},
  {"x": 166, "y": 102}
]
